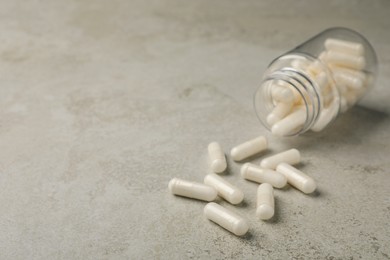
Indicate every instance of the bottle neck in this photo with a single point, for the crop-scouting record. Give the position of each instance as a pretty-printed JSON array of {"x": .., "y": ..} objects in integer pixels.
[
  {"x": 306, "y": 100},
  {"x": 306, "y": 88}
]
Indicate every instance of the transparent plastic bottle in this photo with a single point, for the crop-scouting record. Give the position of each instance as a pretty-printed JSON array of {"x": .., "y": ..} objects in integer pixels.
[{"x": 309, "y": 86}]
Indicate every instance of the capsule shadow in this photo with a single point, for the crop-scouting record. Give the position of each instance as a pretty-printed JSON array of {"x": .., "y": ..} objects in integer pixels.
[
  {"x": 285, "y": 188},
  {"x": 315, "y": 194},
  {"x": 248, "y": 236},
  {"x": 197, "y": 201},
  {"x": 256, "y": 158},
  {"x": 227, "y": 171},
  {"x": 243, "y": 204}
]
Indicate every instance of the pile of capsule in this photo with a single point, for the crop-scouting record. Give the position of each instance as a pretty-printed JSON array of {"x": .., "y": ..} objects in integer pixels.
[
  {"x": 346, "y": 62},
  {"x": 340, "y": 65},
  {"x": 273, "y": 172}
]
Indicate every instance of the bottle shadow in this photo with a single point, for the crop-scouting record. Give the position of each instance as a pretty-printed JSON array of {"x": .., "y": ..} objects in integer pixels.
[{"x": 350, "y": 128}]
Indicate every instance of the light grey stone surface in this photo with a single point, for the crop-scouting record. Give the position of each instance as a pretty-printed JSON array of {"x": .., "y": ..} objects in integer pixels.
[{"x": 103, "y": 102}]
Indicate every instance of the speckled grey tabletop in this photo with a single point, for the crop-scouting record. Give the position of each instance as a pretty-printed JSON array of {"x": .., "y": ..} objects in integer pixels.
[{"x": 102, "y": 103}]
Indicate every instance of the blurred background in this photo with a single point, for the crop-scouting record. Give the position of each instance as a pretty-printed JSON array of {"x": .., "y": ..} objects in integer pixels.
[{"x": 103, "y": 102}]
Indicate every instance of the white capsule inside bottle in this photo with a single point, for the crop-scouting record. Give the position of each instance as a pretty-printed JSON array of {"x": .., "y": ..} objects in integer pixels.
[
  {"x": 282, "y": 91},
  {"x": 345, "y": 60},
  {"x": 315, "y": 68},
  {"x": 325, "y": 117},
  {"x": 292, "y": 156},
  {"x": 265, "y": 201},
  {"x": 252, "y": 172},
  {"x": 322, "y": 56},
  {"x": 322, "y": 80},
  {"x": 297, "y": 178},
  {"x": 350, "y": 72},
  {"x": 226, "y": 218},
  {"x": 192, "y": 190},
  {"x": 353, "y": 48},
  {"x": 300, "y": 64},
  {"x": 249, "y": 148},
  {"x": 225, "y": 189},
  {"x": 217, "y": 158},
  {"x": 291, "y": 122},
  {"x": 282, "y": 94},
  {"x": 351, "y": 81},
  {"x": 279, "y": 112}
]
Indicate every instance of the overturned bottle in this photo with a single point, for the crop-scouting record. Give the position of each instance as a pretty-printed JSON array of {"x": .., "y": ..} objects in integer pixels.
[{"x": 308, "y": 87}]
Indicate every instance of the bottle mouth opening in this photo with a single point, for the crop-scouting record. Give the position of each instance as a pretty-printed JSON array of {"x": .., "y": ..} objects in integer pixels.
[{"x": 286, "y": 102}]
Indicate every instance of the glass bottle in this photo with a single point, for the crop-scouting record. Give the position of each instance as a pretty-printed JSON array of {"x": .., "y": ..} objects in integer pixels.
[{"x": 309, "y": 86}]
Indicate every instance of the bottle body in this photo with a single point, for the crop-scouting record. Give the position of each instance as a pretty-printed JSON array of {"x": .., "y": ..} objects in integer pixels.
[{"x": 309, "y": 86}]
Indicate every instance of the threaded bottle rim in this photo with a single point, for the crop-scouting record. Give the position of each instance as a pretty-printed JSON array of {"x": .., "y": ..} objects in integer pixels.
[{"x": 301, "y": 84}]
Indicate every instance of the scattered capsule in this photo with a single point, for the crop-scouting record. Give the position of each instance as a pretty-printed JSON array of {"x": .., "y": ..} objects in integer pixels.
[
  {"x": 226, "y": 218},
  {"x": 249, "y": 148},
  {"x": 291, "y": 156},
  {"x": 217, "y": 158},
  {"x": 224, "y": 188},
  {"x": 297, "y": 178},
  {"x": 191, "y": 189},
  {"x": 265, "y": 201},
  {"x": 289, "y": 123},
  {"x": 344, "y": 46},
  {"x": 254, "y": 173}
]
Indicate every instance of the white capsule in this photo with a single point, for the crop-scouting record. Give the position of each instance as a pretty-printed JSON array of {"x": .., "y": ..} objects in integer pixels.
[
  {"x": 289, "y": 123},
  {"x": 217, "y": 158},
  {"x": 191, "y": 189},
  {"x": 353, "y": 48},
  {"x": 279, "y": 112},
  {"x": 282, "y": 91},
  {"x": 300, "y": 64},
  {"x": 292, "y": 156},
  {"x": 322, "y": 56},
  {"x": 282, "y": 94},
  {"x": 265, "y": 201},
  {"x": 226, "y": 218},
  {"x": 352, "y": 82},
  {"x": 325, "y": 117},
  {"x": 249, "y": 148},
  {"x": 224, "y": 188},
  {"x": 297, "y": 178},
  {"x": 345, "y": 60},
  {"x": 322, "y": 80},
  {"x": 315, "y": 67},
  {"x": 350, "y": 72},
  {"x": 254, "y": 173}
]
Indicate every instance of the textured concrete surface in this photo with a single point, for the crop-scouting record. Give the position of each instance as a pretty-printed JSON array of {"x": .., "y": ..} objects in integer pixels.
[{"x": 103, "y": 102}]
